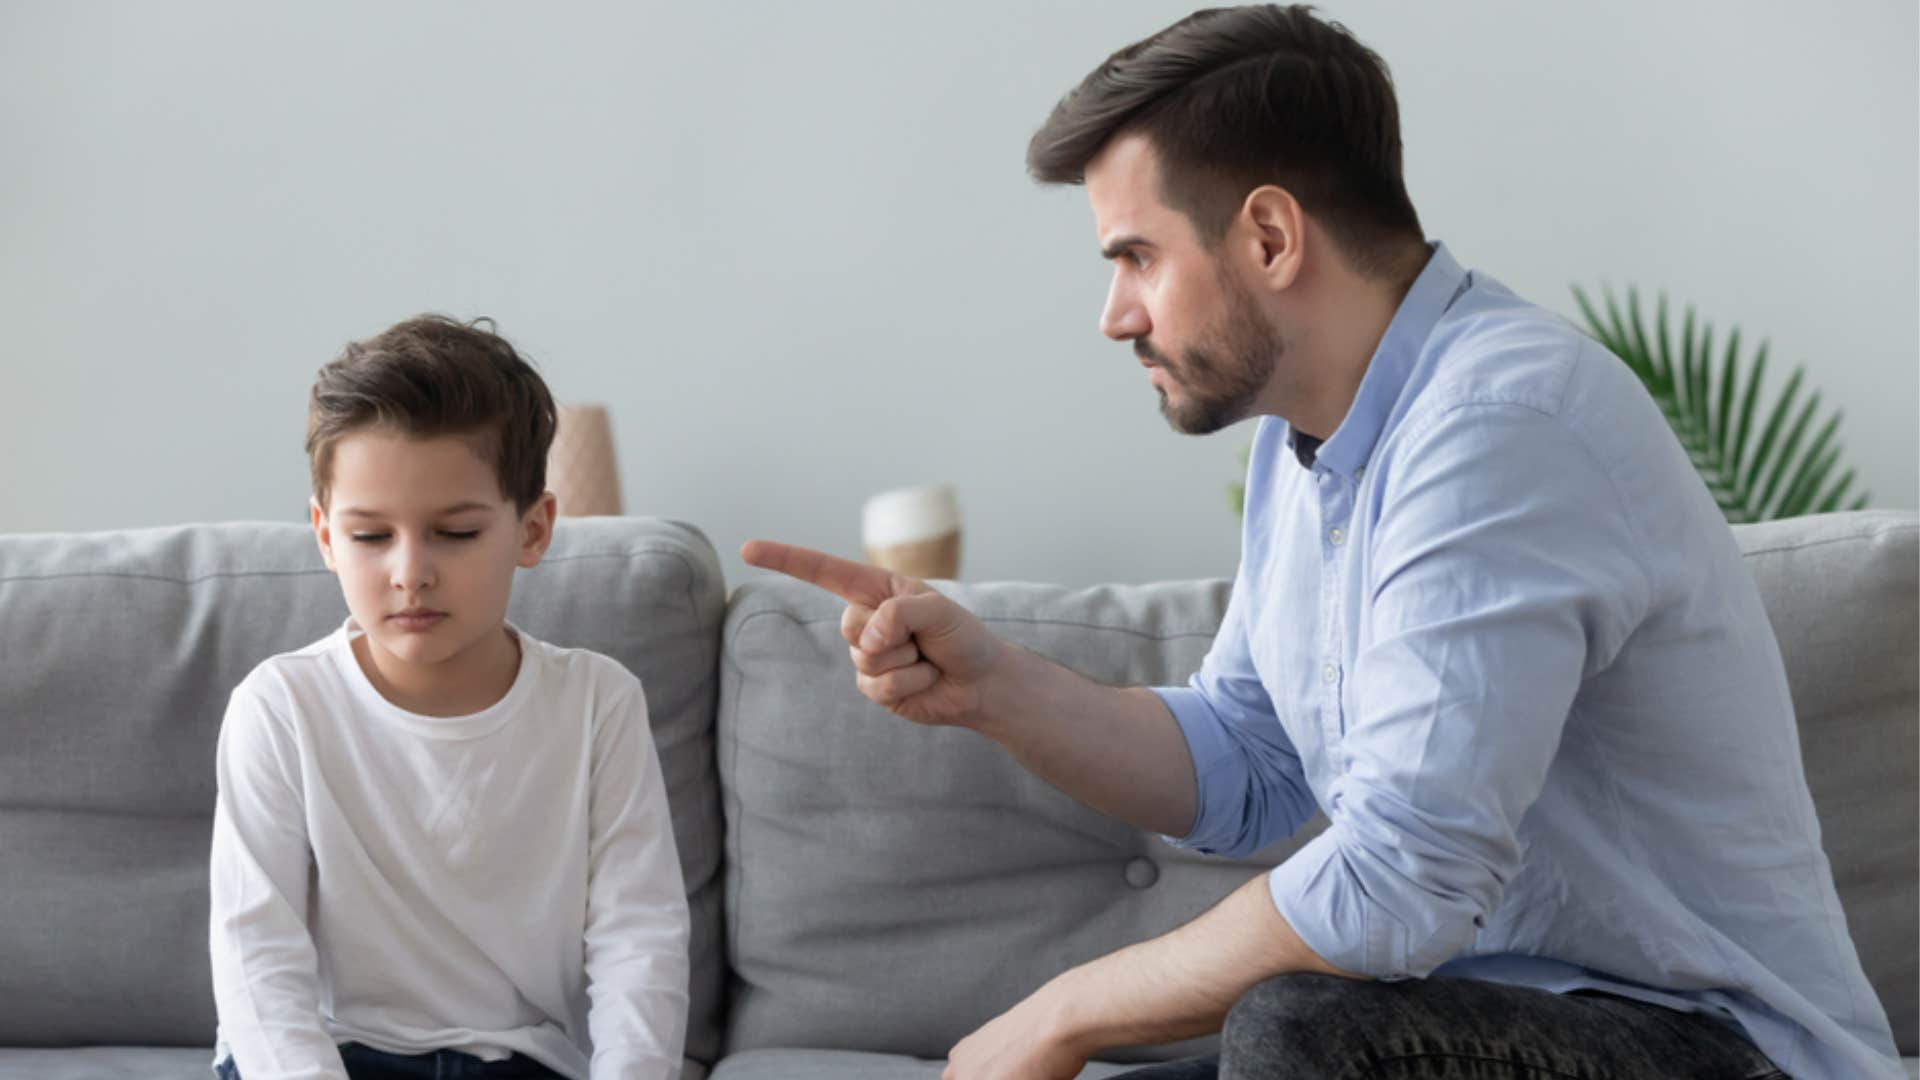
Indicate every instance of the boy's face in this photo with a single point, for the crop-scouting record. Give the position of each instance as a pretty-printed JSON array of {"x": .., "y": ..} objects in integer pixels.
[{"x": 425, "y": 546}]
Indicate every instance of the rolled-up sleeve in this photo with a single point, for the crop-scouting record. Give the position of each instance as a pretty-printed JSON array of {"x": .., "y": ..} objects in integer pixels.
[
  {"x": 1251, "y": 789},
  {"x": 1490, "y": 596}
]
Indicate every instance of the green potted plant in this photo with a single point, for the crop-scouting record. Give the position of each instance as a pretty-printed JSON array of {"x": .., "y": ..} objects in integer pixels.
[{"x": 1756, "y": 472}]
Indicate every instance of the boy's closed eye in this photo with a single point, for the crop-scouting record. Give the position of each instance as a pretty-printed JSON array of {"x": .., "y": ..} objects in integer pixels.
[{"x": 379, "y": 537}]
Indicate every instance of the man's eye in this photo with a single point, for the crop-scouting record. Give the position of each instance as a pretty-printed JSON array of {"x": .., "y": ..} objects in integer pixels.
[
  {"x": 459, "y": 534},
  {"x": 369, "y": 538},
  {"x": 1139, "y": 260}
]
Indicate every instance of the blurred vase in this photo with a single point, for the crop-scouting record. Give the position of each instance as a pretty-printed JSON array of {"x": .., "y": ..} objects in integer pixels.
[
  {"x": 580, "y": 467},
  {"x": 913, "y": 531}
]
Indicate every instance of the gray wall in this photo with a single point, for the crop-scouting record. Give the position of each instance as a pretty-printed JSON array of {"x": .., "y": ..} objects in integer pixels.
[{"x": 792, "y": 244}]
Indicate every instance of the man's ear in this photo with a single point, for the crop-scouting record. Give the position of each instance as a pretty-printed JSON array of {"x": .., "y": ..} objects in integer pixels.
[
  {"x": 322, "y": 532},
  {"x": 536, "y": 529},
  {"x": 1276, "y": 227}
]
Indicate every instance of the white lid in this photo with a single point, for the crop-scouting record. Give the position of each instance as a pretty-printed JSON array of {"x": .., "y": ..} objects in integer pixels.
[{"x": 904, "y": 515}]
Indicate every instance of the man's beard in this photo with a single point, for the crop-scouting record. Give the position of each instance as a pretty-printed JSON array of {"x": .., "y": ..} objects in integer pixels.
[{"x": 1221, "y": 378}]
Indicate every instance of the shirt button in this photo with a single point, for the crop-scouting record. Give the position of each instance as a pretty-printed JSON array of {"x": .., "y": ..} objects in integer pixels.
[
  {"x": 1336, "y": 537},
  {"x": 1329, "y": 674},
  {"x": 1141, "y": 873}
]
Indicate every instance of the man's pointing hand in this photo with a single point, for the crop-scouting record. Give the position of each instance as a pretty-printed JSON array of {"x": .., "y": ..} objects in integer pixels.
[{"x": 914, "y": 651}]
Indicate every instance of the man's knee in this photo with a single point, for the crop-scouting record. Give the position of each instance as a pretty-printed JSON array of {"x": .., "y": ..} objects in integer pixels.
[{"x": 1287, "y": 1025}]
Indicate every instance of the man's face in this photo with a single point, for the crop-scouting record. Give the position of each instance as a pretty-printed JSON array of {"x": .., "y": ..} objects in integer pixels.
[
  {"x": 424, "y": 544},
  {"x": 1208, "y": 348}
]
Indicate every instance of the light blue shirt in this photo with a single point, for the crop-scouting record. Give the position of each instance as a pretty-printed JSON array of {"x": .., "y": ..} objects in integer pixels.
[{"x": 1502, "y": 636}]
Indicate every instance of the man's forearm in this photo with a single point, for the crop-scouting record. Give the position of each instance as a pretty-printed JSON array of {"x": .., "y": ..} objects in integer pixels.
[
  {"x": 1182, "y": 984},
  {"x": 1119, "y": 750}
]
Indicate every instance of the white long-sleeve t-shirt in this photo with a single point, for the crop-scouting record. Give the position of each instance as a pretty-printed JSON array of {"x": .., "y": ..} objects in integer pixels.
[{"x": 499, "y": 883}]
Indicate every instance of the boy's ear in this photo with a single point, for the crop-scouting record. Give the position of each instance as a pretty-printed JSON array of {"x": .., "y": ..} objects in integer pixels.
[
  {"x": 322, "y": 532},
  {"x": 536, "y": 529}
]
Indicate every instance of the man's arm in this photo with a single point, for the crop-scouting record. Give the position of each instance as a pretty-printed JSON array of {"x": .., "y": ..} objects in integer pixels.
[
  {"x": 1117, "y": 750},
  {"x": 1176, "y": 986}
]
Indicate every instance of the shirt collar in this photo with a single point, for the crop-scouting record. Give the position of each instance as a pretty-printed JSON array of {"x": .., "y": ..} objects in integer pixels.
[{"x": 1442, "y": 281}]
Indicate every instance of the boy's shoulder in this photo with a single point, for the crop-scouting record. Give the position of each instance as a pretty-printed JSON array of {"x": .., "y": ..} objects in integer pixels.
[
  {"x": 279, "y": 676},
  {"x": 577, "y": 666},
  {"x": 271, "y": 706}
]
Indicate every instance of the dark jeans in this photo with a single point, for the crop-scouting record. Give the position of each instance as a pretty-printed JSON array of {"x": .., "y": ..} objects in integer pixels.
[
  {"x": 366, "y": 1063},
  {"x": 1320, "y": 1027}
]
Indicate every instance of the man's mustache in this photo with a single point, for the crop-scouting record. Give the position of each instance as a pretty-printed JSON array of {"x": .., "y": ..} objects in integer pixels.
[{"x": 1144, "y": 349}]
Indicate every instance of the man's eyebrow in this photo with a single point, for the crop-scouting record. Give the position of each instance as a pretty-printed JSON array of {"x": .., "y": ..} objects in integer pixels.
[{"x": 1119, "y": 244}]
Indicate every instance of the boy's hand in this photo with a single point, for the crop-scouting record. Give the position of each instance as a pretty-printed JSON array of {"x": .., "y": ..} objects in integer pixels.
[{"x": 914, "y": 651}]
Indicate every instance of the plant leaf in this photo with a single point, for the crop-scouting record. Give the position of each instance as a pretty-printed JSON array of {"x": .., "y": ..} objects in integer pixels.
[
  {"x": 1702, "y": 402},
  {"x": 1815, "y": 464},
  {"x": 1832, "y": 502},
  {"x": 1743, "y": 435},
  {"x": 1721, "y": 438},
  {"x": 1662, "y": 378},
  {"x": 1788, "y": 450},
  {"x": 1762, "y": 452}
]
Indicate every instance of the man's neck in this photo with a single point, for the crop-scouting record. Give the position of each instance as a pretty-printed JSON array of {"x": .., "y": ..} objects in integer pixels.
[{"x": 1340, "y": 346}]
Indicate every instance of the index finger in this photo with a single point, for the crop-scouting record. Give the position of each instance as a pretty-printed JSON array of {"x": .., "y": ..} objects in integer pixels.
[{"x": 856, "y": 583}]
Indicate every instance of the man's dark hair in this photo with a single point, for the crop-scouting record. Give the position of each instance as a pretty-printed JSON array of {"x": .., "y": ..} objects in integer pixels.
[
  {"x": 1234, "y": 98},
  {"x": 432, "y": 376}
]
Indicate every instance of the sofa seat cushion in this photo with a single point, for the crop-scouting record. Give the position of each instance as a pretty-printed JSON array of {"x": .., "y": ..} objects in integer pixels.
[
  {"x": 142, "y": 1063},
  {"x": 108, "y": 1063},
  {"x": 852, "y": 1065}
]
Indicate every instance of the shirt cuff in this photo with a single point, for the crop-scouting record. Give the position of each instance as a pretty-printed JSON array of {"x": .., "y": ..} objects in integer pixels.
[
  {"x": 1317, "y": 893},
  {"x": 1207, "y": 744}
]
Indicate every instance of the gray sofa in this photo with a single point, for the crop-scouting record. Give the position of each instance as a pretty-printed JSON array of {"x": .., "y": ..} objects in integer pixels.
[{"x": 864, "y": 891}]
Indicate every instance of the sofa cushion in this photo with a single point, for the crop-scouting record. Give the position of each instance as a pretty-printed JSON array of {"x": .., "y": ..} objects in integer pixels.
[
  {"x": 849, "y": 1065},
  {"x": 891, "y": 887},
  {"x": 139, "y": 1063},
  {"x": 1840, "y": 590},
  {"x": 108, "y": 1063},
  {"x": 120, "y": 651}
]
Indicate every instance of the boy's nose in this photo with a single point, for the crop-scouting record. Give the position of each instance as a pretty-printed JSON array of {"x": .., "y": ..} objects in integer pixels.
[{"x": 413, "y": 571}]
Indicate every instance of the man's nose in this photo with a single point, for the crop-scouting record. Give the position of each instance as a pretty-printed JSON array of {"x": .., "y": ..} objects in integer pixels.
[{"x": 1124, "y": 318}]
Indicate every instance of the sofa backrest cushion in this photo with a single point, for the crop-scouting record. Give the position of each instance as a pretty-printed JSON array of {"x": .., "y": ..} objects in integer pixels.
[
  {"x": 1843, "y": 594},
  {"x": 117, "y": 653},
  {"x": 892, "y": 887}
]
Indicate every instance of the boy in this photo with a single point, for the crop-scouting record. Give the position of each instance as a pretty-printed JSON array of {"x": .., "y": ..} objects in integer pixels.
[{"x": 441, "y": 847}]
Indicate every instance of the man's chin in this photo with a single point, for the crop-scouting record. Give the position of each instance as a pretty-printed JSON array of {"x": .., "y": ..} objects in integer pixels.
[{"x": 1191, "y": 418}]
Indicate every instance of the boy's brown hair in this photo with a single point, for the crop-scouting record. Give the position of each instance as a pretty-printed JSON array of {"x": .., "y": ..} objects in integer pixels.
[{"x": 431, "y": 376}]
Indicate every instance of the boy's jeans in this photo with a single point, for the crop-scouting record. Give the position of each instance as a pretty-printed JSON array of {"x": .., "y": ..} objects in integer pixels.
[
  {"x": 366, "y": 1063},
  {"x": 1305, "y": 1027}
]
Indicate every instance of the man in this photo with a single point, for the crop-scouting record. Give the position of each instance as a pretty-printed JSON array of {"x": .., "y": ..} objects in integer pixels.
[{"x": 1487, "y": 619}]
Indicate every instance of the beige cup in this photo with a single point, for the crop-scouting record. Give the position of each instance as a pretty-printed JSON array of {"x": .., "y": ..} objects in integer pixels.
[
  {"x": 581, "y": 468},
  {"x": 913, "y": 531}
]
